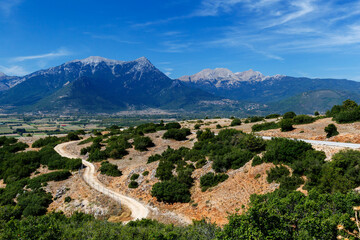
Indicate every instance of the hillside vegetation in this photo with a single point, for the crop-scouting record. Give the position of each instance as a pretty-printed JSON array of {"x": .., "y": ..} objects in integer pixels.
[{"x": 326, "y": 200}]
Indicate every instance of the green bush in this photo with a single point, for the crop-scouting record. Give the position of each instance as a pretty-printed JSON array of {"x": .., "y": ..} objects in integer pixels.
[
  {"x": 264, "y": 126},
  {"x": 154, "y": 158},
  {"x": 177, "y": 134},
  {"x": 282, "y": 150},
  {"x": 276, "y": 173},
  {"x": 172, "y": 125},
  {"x": 110, "y": 169},
  {"x": 289, "y": 115},
  {"x": 331, "y": 130},
  {"x": 145, "y": 173},
  {"x": 197, "y": 126},
  {"x": 256, "y": 161},
  {"x": 171, "y": 191},
  {"x": 255, "y": 119},
  {"x": 36, "y": 182},
  {"x": 72, "y": 136},
  {"x": 134, "y": 176},
  {"x": 46, "y": 141},
  {"x": 143, "y": 143},
  {"x": 274, "y": 115},
  {"x": 286, "y": 125},
  {"x": 133, "y": 184},
  {"x": 234, "y": 160},
  {"x": 210, "y": 180},
  {"x": 303, "y": 119},
  {"x": 341, "y": 174},
  {"x": 67, "y": 199},
  {"x": 235, "y": 122}
]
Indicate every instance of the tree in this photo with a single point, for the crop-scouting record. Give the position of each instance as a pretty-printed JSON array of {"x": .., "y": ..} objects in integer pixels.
[
  {"x": 316, "y": 113},
  {"x": 72, "y": 136},
  {"x": 286, "y": 125},
  {"x": 349, "y": 104},
  {"x": 142, "y": 143},
  {"x": 289, "y": 115},
  {"x": 235, "y": 122},
  {"x": 331, "y": 130}
]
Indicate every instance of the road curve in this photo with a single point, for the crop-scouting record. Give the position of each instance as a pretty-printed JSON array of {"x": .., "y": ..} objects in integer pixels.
[
  {"x": 326, "y": 143},
  {"x": 138, "y": 210}
]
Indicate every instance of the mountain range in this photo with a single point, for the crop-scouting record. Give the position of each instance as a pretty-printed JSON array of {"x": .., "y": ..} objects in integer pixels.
[{"x": 100, "y": 85}]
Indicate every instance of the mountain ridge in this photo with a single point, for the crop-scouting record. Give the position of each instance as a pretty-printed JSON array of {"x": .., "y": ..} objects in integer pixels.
[{"x": 97, "y": 84}]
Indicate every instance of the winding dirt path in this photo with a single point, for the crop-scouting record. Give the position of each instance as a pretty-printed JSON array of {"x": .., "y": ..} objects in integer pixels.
[{"x": 138, "y": 210}]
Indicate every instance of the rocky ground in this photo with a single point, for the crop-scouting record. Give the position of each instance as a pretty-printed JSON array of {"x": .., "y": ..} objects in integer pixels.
[{"x": 214, "y": 204}]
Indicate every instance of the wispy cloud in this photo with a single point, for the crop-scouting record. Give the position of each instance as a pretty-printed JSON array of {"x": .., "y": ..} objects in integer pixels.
[
  {"x": 173, "y": 47},
  {"x": 214, "y": 7},
  {"x": 13, "y": 70},
  {"x": 110, "y": 37},
  {"x": 303, "y": 7},
  {"x": 7, "y": 6},
  {"x": 58, "y": 53}
]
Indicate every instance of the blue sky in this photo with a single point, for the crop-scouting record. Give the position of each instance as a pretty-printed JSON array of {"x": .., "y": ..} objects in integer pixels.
[{"x": 296, "y": 38}]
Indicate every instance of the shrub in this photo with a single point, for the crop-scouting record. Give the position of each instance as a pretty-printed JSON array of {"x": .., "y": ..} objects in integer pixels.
[
  {"x": 316, "y": 113},
  {"x": 289, "y": 115},
  {"x": 172, "y": 125},
  {"x": 197, "y": 126},
  {"x": 46, "y": 141},
  {"x": 331, "y": 130},
  {"x": 274, "y": 115},
  {"x": 145, "y": 173},
  {"x": 256, "y": 161},
  {"x": 143, "y": 143},
  {"x": 211, "y": 180},
  {"x": 110, "y": 169},
  {"x": 164, "y": 170},
  {"x": 154, "y": 158},
  {"x": 286, "y": 125},
  {"x": 171, "y": 191},
  {"x": 134, "y": 176},
  {"x": 67, "y": 199},
  {"x": 276, "y": 173},
  {"x": 282, "y": 150},
  {"x": 303, "y": 119},
  {"x": 72, "y": 136},
  {"x": 177, "y": 134},
  {"x": 97, "y": 156},
  {"x": 255, "y": 119},
  {"x": 264, "y": 126},
  {"x": 235, "y": 122},
  {"x": 133, "y": 184},
  {"x": 234, "y": 160}
]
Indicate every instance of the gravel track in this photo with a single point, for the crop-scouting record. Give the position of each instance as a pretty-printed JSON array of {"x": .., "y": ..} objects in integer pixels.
[{"x": 138, "y": 210}]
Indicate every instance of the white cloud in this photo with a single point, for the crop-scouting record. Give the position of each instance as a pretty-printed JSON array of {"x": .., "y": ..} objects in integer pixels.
[
  {"x": 59, "y": 53},
  {"x": 13, "y": 70},
  {"x": 214, "y": 7},
  {"x": 304, "y": 7}
]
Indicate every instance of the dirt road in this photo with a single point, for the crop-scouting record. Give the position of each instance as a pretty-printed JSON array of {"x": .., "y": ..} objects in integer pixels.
[{"x": 138, "y": 210}]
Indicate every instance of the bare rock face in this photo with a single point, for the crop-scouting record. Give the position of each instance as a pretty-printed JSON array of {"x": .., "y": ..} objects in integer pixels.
[
  {"x": 60, "y": 192},
  {"x": 222, "y": 77}
]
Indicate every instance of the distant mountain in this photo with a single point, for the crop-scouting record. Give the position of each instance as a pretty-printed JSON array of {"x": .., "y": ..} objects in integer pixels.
[
  {"x": 7, "y": 82},
  {"x": 253, "y": 86},
  {"x": 96, "y": 84},
  {"x": 309, "y": 102}
]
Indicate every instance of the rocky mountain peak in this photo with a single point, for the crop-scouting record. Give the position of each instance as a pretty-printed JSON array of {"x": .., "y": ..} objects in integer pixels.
[
  {"x": 250, "y": 75},
  {"x": 94, "y": 60}
]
